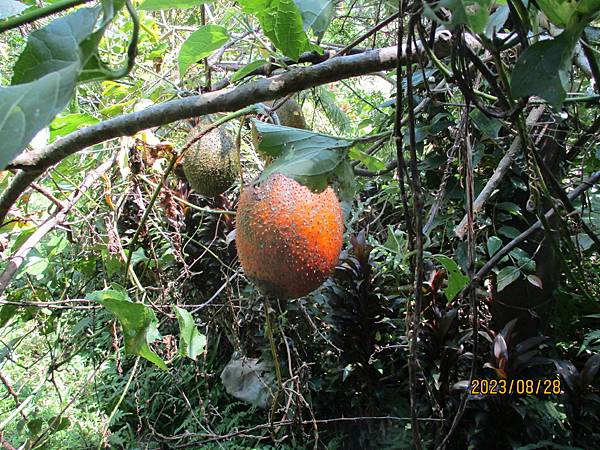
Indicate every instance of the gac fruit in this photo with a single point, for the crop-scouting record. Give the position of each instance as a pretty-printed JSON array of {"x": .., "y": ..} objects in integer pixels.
[
  {"x": 288, "y": 238},
  {"x": 289, "y": 115},
  {"x": 211, "y": 164}
]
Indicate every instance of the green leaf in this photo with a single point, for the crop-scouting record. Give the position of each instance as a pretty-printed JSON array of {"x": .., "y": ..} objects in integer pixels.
[
  {"x": 497, "y": 21},
  {"x": 371, "y": 162},
  {"x": 493, "y": 245},
  {"x": 310, "y": 158},
  {"x": 569, "y": 14},
  {"x": 155, "y": 5},
  {"x": 139, "y": 323},
  {"x": 316, "y": 14},
  {"x": 247, "y": 69},
  {"x": 254, "y": 6},
  {"x": 543, "y": 69},
  {"x": 396, "y": 241},
  {"x": 35, "y": 426},
  {"x": 63, "y": 125},
  {"x": 490, "y": 126},
  {"x": 506, "y": 276},
  {"x": 591, "y": 339},
  {"x": 509, "y": 232},
  {"x": 36, "y": 266},
  {"x": 51, "y": 64},
  {"x": 456, "y": 279},
  {"x": 191, "y": 342},
  {"x": 276, "y": 139},
  {"x": 282, "y": 23},
  {"x": 10, "y": 8},
  {"x": 473, "y": 13},
  {"x": 510, "y": 207},
  {"x": 523, "y": 260},
  {"x": 7, "y": 312},
  {"x": 59, "y": 423},
  {"x": 201, "y": 44},
  {"x": 333, "y": 112}
]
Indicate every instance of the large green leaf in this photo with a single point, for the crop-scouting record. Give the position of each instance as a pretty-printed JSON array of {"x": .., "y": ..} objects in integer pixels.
[
  {"x": 473, "y": 13},
  {"x": 333, "y": 112},
  {"x": 191, "y": 342},
  {"x": 201, "y": 44},
  {"x": 456, "y": 279},
  {"x": 282, "y": 23},
  {"x": 312, "y": 159},
  {"x": 10, "y": 8},
  {"x": 543, "y": 69},
  {"x": 155, "y": 5},
  {"x": 139, "y": 323},
  {"x": 49, "y": 67},
  {"x": 316, "y": 14}
]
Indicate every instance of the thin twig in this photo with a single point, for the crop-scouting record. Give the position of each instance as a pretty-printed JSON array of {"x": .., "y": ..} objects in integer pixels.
[
  {"x": 17, "y": 259},
  {"x": 500, "y": 172}
]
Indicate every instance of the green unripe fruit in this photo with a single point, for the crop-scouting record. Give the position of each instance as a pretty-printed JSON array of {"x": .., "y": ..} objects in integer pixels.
[{"x": 211, "y": 165}]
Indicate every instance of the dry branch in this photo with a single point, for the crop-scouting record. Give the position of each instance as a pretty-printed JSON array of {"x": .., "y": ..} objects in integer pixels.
[
  {"x": 499, "y": 173},
  {"x": 17, "y": 259}
]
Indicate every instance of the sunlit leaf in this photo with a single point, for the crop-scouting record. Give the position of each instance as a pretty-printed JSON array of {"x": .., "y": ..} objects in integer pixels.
[
  {"x": 138, "y": 321},
  {"x": 457, "y": 280},
  {"x": 201, "y": 44},
  {"x": 282, "y": 23},
  {"x": 247, "y": 69},
  {"x": 312, "y": 159},
  {"x": 55, "y": 58},
  {"x": 191, "y": 342},
  {"x": 316, "y": 14}
]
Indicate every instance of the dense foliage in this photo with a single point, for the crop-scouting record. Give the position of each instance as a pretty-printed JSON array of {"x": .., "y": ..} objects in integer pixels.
[{"x": 461, "y": 137}]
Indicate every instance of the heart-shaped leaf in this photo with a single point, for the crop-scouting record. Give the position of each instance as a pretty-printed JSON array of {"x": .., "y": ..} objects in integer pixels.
[
  {"x": 543, "y": 69},
  {"x": 139, "y": 323}
]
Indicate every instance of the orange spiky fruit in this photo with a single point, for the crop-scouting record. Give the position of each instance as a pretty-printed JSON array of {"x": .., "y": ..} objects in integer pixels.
[{"x": 288, "y": 238}]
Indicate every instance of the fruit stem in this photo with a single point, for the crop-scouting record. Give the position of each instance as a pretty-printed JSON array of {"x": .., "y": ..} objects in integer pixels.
[{"x": 269, "y": 332}]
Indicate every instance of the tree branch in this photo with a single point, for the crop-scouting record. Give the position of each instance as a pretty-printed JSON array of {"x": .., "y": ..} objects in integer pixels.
[
  {"x": 226, "y": 100},
  {"x": 39, "y": 13}
]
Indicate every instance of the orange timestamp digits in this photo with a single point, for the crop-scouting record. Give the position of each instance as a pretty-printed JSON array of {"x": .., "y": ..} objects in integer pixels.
[{"x": 518, "y": 387}]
